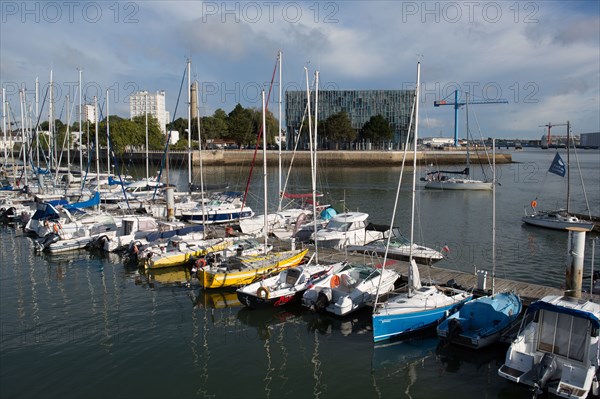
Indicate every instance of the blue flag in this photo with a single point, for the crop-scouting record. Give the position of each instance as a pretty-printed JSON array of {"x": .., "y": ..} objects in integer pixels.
[{"x": 558, "y": 166}]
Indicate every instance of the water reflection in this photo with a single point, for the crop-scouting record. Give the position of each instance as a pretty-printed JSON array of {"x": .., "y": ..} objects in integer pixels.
[{"x": 215, "y": 299}]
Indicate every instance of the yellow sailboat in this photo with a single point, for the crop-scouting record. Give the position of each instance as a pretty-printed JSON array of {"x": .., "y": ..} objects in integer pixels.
[
  {"x": 238, "y": 271},
  {"x": 182, "y": 254}
]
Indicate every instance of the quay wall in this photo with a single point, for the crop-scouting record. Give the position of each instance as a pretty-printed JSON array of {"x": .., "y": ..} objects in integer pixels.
[{"x": 343, "y": 158}]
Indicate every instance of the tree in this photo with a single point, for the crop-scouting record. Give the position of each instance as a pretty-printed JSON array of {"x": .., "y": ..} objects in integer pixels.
[
  {"x": 337, "y": 128},
  {"x": 240, "y": 126},
  {"x": 216, "y": 126},
  {"x": 376, "y": 129}
]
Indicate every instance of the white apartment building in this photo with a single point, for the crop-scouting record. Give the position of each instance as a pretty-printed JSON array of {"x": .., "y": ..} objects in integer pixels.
[
  {"x": 88, "y": 113},
  {"x": 143, "y": 102}
]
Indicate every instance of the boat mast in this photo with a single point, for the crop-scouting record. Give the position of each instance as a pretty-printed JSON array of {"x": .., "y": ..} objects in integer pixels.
[
  {"x": 37, "y": 110},
  {"x": 23, "y": 143},
  {"x": 96, "y": 145},
  {"x": 68, "y": 142},
  {"x": 146, "y": 125},
  {"x": 264, "y": 143},
  {"x": 200, "y": 155},
  {"x": 568, "y": 164},
  {"x": 280, "y": 195},
  {"x": 4, "y": 125},
  {"x": 107, "y": 137},
  {"x": 414, "y": 180},
  {"x": 312, "y": 158},
  {"x": 494, "y": 217},
  {"x": 467, "y": 118},
  {"x": 189, "y": 149},
  {"x": 80, "y": 130}
]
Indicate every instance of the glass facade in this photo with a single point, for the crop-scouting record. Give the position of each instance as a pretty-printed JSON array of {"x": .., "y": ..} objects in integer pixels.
[{"x": 360, "y": 105}]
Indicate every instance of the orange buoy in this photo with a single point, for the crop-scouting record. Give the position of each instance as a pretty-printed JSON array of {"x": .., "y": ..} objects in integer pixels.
[{"x": 533, "y": 203}]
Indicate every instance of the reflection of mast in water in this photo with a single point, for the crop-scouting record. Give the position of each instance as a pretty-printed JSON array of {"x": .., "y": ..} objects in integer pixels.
[
  {"x": 105, "y": 310},
  {"x": 34, "y": 302},
  {"x": 317, "y": 373},
  {"x": 284, "y": 354},
  {"x": 15, "y": 254},
  {"x": 204, "y": 376},
  {"x": 268, "y": 377}
]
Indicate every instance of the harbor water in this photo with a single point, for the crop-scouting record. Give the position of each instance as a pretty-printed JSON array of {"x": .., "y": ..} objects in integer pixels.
[{"x": 82, "y": 325}]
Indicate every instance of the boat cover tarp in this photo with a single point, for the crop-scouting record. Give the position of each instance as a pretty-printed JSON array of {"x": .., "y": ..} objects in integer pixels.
[
  {"x": 95, "y": 200},
  {"x": 171, "y": 233},
  {"x": 542, "y": 305},
  {"x": 463, "y": 172}
]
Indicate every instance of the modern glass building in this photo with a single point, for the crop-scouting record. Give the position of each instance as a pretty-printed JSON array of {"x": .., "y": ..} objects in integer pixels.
[{"x": 360, "y": 105}]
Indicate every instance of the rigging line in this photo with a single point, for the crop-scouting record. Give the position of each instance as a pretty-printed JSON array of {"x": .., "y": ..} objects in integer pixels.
[
  {"x": 163, "y": 159},
  {"x": 284, "y": 189},
  {"x": 484, "y": 147},
  {"x": 260, "y": 132},
  {"x": 587, "y": 204}
]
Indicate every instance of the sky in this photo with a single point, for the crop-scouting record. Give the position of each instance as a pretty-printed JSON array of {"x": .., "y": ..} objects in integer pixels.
[{"x": 543, "y": 57}]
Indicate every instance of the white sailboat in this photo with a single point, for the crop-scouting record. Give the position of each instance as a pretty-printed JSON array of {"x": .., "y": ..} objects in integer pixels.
[
  {"x": 439, "y": 180},
  {"x": 558, "y": 219},
  {"x": 418, "y": 307}
]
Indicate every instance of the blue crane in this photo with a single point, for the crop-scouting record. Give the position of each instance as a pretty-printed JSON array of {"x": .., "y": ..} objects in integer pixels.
[{"x": 457, "y": 104}]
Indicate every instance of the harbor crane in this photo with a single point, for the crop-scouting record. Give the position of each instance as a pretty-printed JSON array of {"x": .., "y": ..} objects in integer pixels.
[
  {"x": 550, "y": 125},
  {"x": 457, "y": 104}
]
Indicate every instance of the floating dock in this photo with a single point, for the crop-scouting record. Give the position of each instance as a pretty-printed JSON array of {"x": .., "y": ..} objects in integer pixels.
[{"x": 528, "y": 292}]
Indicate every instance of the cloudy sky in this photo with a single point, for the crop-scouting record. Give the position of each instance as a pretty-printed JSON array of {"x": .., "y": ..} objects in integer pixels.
[{"x": 541, "y": 56}]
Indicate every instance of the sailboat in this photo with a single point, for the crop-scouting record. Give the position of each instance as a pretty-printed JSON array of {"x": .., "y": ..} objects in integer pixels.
[
  {"x": 480, "y": 322},
  {"x": 418, "y": 307},
  {"x": 559, "y": 219},
  {"x": 237, "y": 271},
  {"x": 439, "y": 180}
]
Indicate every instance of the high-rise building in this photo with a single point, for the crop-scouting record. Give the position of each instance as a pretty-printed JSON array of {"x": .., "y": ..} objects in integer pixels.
[
  {"x": 143, "y": 102},
  {"x": 360, "y": 105},
  {"x": 87, "y": 113}
]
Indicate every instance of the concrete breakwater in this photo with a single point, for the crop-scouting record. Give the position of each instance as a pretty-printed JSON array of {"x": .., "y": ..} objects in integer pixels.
[{"x": 345, "y": 158}]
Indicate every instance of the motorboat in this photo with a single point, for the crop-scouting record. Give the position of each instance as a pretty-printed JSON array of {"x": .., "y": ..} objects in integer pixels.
[
  {"x": 286, "y": 287},
  {"x": 353, "y": 287},
  {"x": 480, "y": 322},
  {"x": 399, "y": 248},
  {"x": 556, "y": 349},
  {"x": 348, "y": 228}
]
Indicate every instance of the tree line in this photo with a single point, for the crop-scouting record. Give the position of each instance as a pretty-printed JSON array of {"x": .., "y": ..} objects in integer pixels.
[{"x": 240, "y": 126}]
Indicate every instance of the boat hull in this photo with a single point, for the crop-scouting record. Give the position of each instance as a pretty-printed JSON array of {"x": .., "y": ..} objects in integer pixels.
[
  {"x": 459, "y": 184},
  {"x": 480, "y": 322},
  {"x": 402, "y": 319},
  {"x": 235, "y": 278},
  {"x": 560, "y": 223}
]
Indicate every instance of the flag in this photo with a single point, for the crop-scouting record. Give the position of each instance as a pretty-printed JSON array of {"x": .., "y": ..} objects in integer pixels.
[{"x": 558, "y": 166}]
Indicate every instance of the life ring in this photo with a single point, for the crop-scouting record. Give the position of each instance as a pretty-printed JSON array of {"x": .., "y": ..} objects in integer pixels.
[
  {"x": 262, "y": 292},
  {"x": 335, "y": 281},
  {"x": 200, "y": 263},
  {"x": 533, "y": 203}
]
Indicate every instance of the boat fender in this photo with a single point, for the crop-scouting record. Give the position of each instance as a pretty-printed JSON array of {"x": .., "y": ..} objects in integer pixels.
[
  {"x": 262, "y": 292},
  {"x": 534, "y": 204},
  {"x": 334, "y": 282}
]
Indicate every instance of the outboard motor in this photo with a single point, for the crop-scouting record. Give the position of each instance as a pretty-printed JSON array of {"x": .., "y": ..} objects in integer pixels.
[
  {"x": 455, "y": 328},
  {"x": 544, "y": 371},
  {"x": 323, "y": 299},
  {"x": 44, "y": 242}
]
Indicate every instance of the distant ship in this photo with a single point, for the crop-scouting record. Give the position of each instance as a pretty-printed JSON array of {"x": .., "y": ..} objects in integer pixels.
[{"x": 544, "y": 142}]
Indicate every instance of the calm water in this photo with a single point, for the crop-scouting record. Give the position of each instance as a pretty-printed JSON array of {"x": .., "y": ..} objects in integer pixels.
[{"x": 84, "y": 326}]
